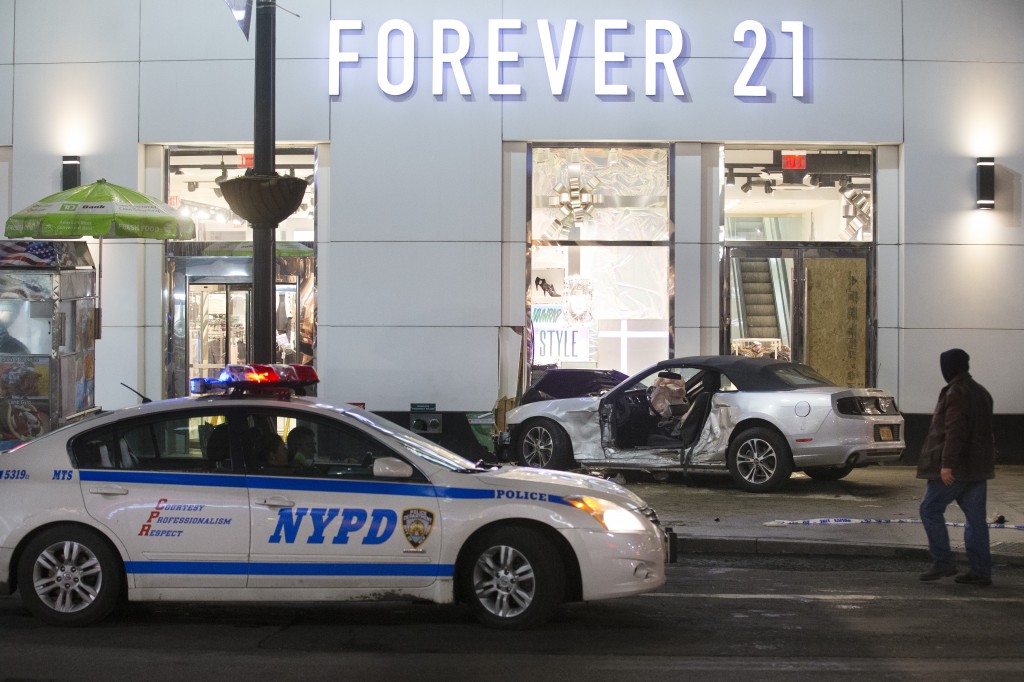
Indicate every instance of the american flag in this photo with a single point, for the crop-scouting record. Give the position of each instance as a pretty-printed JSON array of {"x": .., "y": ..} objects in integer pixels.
[{"x": 27, "y": 253}]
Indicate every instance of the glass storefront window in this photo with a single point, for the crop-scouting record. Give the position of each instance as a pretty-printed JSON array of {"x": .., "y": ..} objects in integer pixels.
[
  {"x": 600, "y": 193},
  {"x": 799, "y": 236},
  {"x": 600, "y": 283},
  {"x": 192, "y": 189},
  {"x": 798, "y": 195},
  {"x": 209, "y": 318}
]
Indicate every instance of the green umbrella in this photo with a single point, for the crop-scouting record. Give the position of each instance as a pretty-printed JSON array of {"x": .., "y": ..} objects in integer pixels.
[
  {"x": 101, "y": 209},
  {"x": 245, "y": 249}
]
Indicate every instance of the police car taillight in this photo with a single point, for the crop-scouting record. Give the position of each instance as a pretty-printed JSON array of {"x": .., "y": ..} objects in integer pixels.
[{"x": 256, "y": 379}]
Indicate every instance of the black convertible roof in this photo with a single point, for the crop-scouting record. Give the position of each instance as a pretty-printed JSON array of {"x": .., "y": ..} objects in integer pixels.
[
  {"x": 572, "y": 383},
  {"x": 747, "y": 374}
]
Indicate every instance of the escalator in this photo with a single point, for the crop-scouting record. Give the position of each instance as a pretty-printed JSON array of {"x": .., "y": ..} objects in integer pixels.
[
  {"x": 761, "y": 290},
  {"x": 758, "y": 313}
]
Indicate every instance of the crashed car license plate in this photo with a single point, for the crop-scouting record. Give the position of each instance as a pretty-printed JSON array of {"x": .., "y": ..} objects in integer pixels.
[{"x": 885, "y": 433}]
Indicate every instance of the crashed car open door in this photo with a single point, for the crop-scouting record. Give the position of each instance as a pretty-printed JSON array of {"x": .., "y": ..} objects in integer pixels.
[{"x": 633, "y": 434}]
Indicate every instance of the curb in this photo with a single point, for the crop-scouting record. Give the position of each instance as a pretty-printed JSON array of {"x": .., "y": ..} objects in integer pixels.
[{"x": 681, "y": 546}]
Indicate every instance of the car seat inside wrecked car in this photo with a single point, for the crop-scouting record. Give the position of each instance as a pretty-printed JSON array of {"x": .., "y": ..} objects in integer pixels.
[
  {"x": 667, "y": 397},
  {"x": 683, "y": 431}
]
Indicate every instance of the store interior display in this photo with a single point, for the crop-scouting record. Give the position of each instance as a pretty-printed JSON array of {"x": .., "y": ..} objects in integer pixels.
[
  {"x": 192, "y": 188},
  {"x": 798, "y": 236},
  {"x": 599, "y": 258}
]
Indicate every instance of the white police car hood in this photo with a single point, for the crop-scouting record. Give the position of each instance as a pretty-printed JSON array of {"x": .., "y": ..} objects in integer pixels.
[{"x": 562, "y": 483}]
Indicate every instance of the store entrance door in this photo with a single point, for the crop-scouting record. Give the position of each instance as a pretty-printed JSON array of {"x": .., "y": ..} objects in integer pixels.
[
  {"x": 209, "y": 315},
  {"x": 811, "y": 304},
  {"x": 219, "y": 325}
]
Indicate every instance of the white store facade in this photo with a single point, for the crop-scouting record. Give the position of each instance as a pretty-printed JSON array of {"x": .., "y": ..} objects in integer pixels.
[{"x": 501, "y": 186}]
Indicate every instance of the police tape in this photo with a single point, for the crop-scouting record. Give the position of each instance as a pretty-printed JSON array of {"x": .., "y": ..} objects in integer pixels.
[{"x": 842, "y": 521}]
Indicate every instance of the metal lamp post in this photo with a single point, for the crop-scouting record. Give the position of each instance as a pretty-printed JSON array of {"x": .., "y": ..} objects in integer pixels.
[
  {"x": 261, "y": 196},
  {"x": 264, "y": 235}
]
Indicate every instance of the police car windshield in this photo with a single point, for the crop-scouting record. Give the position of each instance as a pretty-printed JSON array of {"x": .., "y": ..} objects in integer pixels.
[
  {"x": 418, "y": 445},
  {"x": 435, "y": 454}
]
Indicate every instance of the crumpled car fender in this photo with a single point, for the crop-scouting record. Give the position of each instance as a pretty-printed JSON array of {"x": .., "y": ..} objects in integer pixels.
[{"x": 578, "y": 416}]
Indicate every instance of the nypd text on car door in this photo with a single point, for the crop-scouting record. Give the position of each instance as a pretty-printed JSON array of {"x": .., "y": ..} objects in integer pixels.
[{"x": 329, "y": 522}]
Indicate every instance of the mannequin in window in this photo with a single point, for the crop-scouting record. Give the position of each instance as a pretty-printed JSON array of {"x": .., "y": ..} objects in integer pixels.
[{"x": 284, "y": 325}]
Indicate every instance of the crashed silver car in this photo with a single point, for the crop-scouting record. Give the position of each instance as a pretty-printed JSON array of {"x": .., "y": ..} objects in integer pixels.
[{"x": 758, "y": 419}]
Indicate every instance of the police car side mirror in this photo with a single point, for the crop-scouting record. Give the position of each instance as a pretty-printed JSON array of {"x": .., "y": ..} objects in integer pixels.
[{"x": 391, "y": 467}]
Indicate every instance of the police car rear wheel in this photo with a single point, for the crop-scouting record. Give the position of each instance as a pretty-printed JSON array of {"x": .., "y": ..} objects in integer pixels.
[
  {"x": 545, "y": 445},
  {"x": 514, "y": 579},
  {"x": 69, "y": 576}
]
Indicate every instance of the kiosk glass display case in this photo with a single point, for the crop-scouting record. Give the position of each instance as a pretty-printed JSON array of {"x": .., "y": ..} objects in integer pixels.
[{"x": 47, "y": 337}]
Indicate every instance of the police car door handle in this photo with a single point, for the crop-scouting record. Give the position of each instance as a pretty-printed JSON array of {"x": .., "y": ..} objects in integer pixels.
[
  {"x": 277, "y": 502},
  {"x": 109, "y": 490}
]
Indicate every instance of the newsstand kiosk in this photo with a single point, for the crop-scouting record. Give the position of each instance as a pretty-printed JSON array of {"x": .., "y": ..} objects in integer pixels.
[{"x": 47, "y": 337}]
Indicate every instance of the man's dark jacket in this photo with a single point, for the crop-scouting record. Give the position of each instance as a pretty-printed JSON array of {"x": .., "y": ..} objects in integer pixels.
[{"x": 960, "y": 436}]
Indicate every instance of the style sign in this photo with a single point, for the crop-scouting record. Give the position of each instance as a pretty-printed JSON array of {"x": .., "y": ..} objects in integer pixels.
[{"x": 555, "y": 340}]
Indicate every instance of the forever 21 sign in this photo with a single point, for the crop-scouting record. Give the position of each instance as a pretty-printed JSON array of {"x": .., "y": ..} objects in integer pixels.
[{"x": 451, "y": 42}]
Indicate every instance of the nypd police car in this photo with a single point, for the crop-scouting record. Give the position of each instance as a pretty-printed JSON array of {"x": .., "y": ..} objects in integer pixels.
[{"x": 246, "y": 491}]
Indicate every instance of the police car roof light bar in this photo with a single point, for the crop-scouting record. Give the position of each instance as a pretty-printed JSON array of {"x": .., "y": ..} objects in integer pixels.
[
  {"x": 256, "y": 378},
  {"x": 306, "y": 375},
  {"x": 261, "y": 374}
]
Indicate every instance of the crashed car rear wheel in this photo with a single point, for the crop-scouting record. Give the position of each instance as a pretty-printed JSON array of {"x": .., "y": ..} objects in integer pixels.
[
  {"x": 544, "y": 444},
  {"x": 759, "y": 460}
]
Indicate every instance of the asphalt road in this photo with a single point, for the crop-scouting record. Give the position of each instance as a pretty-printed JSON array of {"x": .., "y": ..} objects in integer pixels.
[{"x": 717, "y": 618}]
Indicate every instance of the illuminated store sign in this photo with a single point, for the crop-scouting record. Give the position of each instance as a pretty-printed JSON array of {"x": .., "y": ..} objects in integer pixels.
[
  {"x": 555, "y": 339},
  {"x": 450, "y": 40}
]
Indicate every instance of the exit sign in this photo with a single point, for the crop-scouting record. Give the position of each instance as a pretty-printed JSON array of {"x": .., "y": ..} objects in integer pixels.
[{"x": 794, "y": 160}]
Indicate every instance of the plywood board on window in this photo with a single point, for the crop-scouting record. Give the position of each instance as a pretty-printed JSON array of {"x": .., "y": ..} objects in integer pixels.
[{"x": 836, "y": 319}]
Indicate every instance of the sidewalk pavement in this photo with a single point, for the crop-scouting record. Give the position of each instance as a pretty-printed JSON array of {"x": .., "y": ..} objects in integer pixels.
[{"x": 873, "y": 512}]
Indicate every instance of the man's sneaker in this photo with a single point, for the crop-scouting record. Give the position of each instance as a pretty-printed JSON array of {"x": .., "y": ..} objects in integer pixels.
[
  {"x": 973, "y": 579},
  {"x": 937, "y": 571}
]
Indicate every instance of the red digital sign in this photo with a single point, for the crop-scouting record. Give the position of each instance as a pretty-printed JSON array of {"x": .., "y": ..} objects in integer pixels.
[{"x": 794, "y": 161}]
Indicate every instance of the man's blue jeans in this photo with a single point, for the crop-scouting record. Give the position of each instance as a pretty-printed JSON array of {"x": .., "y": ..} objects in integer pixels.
[{"x": 972, "y": 499}]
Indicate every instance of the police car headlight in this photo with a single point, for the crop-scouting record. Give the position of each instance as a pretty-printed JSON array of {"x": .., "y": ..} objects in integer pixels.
[{"x": 612, "y": 516}]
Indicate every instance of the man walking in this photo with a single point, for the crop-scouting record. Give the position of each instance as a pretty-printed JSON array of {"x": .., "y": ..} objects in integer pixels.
[{"x": 957, "y": 459}]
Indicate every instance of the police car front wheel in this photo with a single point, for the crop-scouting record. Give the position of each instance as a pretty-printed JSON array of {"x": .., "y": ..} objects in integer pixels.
[
  {"x": 69, "y": 576},
  {"x": 513, "y": 579}
]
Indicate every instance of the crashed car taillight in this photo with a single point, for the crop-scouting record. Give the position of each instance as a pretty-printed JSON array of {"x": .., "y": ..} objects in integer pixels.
[{"x": 866, "y": 405}]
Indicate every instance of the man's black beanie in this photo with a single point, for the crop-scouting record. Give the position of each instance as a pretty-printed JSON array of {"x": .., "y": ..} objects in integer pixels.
[{"x": 954, "y": 362}]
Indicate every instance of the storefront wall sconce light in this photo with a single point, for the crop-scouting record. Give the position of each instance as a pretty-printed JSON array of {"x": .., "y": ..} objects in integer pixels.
[
  {"x": 986, "y": 182},
  {"x": 71, "y": 172}
]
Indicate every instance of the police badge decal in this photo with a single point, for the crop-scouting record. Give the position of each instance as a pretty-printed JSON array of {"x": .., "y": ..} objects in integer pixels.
[{"x": 417, "y": 524}]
